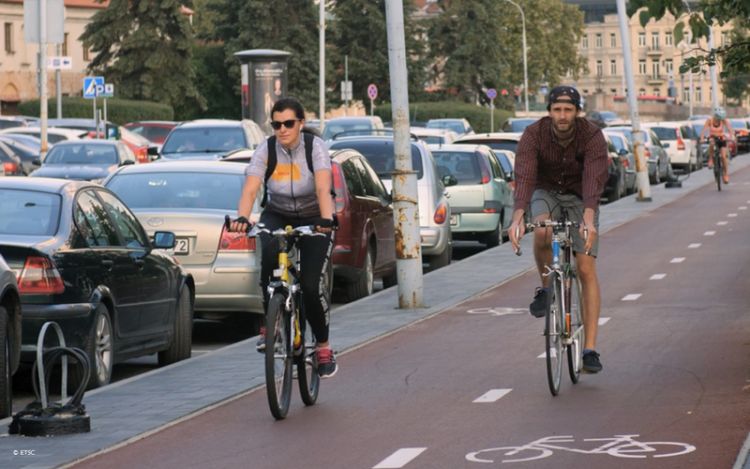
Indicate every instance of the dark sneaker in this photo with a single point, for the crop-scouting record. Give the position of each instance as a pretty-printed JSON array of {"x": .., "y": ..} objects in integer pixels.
[
  {"x": 326, "y": 363},
  {"x": 591, "y": 363},
  {"x": 260, "y": 346},
  {"x": 538, "y": 307}
]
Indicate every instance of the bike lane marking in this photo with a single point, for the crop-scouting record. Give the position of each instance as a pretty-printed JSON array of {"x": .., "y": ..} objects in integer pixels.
[
  {"x": 694, "y": 245},
  {"x": 722, "y": 223},
  {"x": 631, "y": 297},
  {"x": 498, "y": 311},
  {"x": 657, "y": 276},
  {"x": 742, "y": 207},
  {"x": 400, "y": 458},
  {"x": 493, "y": 395},
  {"x": 677, "y": 260},
  {"x": 732, "y": 215},
  {"x": 603, "y": 321},
  {"x": 709, "y": 233}
]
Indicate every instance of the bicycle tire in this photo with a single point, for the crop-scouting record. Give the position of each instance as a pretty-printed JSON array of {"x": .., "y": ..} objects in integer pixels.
[
  {"x": 575, "y": 349},
  {"x": 553, "y": 334},
  {"x": 717, "y": 171},
  {"x": 278, "y": 357},
  {"x": 307, "y": 366}
]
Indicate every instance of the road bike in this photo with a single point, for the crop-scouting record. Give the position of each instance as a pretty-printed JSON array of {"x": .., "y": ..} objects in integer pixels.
[
  {"x": 289, "y": 339},
  {"x": 718, "y": 161},
  {"x": 563, "y": 327}
]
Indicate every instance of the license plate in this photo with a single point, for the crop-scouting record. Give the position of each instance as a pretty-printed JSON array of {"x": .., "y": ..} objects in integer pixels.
[
  {"x": 181, "y": 246},
  {"x": 454, "y": 219}
]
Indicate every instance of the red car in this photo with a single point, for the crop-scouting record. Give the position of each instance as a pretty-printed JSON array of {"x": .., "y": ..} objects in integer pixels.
[{"x": 154, "y": 131}]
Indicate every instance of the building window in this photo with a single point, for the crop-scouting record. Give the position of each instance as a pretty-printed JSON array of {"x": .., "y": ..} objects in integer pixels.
[
  {"x": 655, "y": 69},
  {"x": 598, "y": 40},
  {"x": 641, "y": 39},
  {"x": 65, "y": 45},
  {"x": 686, "y": 94},
  {"x": 613, "y": 67},
  {"x": 599, "y": 68},
  {"x": 85, "y": 53},
  {"x": 642, "y": 67},
  {"x": 9, "y": 38},
  {"x": 668, "y": 66},
  {"x": 612, "y": 40},
  {"x": 585, "y": 42},
  {"x": 612, "y": 91},
  {"x": 657, "y": 92},
  {"x": 655, "y": 40},
  {"x": 698, "y": 94},
  {"x": 668, "y": 41},
  {"x": 642, "y": 92}
]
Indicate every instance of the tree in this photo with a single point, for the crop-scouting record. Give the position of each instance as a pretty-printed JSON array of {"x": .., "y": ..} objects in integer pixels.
[
  {"x": 144, "y": 48},
  {"x": 359, "y": 31},
  {"x": 478, "y": 44}
]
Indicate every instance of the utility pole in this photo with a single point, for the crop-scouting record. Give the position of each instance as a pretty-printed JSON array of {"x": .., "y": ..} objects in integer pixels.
[
  {"x": 644, "y": 188},
  {"x": 322, "y": 66},
  {"x": 346, "y": 81},
  {"x": 712, "y": 71},
  {"x": 405, "y": 199},
  {"x": 43, "y": 76},
  {"x": 58, "y": 84}
]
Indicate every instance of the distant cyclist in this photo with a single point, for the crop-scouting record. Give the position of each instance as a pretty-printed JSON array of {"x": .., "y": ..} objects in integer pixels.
[
  {"x": 562, "y": 162},
  {"x": 719, "y": 130},
  {"x": 297, "y": 195}
]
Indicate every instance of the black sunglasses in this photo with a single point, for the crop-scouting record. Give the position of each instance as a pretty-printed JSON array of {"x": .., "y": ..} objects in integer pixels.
[{"x": 288, "y": 124}]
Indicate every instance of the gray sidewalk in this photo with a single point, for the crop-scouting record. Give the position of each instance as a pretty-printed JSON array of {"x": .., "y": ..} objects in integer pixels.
[{"x": 143, "y": 404}]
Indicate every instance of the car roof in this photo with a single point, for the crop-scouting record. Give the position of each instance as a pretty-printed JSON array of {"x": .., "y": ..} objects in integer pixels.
[
  {"x": 465, "y": 148},
  {"x": 491, "y": 136},
  {"x": 87, "y": 141},
  {"x": 43, "y": 184},
  {"x": 157, "y": 123},
  {"x": 430, "y": 131},
  {"x": 670, "y": 124},
  {"x": 190, "y": 166},
  {"x": 56, "y": 130},
  {"x": 210, "y": 123}
]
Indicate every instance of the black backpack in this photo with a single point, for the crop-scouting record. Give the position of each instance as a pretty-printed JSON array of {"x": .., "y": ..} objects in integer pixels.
[{"x": 272, "y": 160}]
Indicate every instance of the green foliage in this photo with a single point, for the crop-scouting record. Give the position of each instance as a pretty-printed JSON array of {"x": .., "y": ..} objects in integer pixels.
[
  {"x": 217, "y": 87},
  {"x": 478, "y": 116},
  {"x": 144, "y": 47},
  {"x": 120, "y": 111}
]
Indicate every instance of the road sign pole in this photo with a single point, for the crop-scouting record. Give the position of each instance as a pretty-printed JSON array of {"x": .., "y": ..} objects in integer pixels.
[
  {"x": 492, "y": 115},
  {"x": 43, "y": 76},
  {"x": 371, "y": 106},
  {"x": 58, "y": 85},
  {"x": 104, "y": 123}
]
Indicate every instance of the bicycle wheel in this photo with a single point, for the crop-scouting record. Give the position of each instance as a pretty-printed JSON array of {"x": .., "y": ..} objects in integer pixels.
[
  {"x": 278, "y": 357},
  {"x": 553, "y": 333},
  {"x": 307, "y": 366},
  {"x": 717, "y": 171},
  {"x": 578, "y": 340}
]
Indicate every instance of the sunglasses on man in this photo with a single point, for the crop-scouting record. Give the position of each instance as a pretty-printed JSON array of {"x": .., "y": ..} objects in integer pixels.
[{"x": 287, "y": 123}]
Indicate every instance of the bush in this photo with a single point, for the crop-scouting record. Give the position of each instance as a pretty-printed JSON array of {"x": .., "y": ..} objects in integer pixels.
[
  {"x": 478, "y": 116},
  {"x": 119, "y": 111}
]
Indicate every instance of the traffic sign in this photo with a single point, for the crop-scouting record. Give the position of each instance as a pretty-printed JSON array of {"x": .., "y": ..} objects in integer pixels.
[
  {"x": 372, "y": 91},
  {"x": 90, "y": 85},
  {"x": 492, "y": 93},
  {"x": 108, "y": 92},
  {"x": 60, "y": 63},
  {"x": 346, "y": 90}
]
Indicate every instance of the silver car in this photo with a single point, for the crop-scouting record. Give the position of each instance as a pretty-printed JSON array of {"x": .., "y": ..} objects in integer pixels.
[
  {"x": 434, "y": 209},
  {"x": 190, "y": 199}
]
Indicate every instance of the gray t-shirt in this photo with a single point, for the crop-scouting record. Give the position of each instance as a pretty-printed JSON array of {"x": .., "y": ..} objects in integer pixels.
[{"x": 291, "y": 187}]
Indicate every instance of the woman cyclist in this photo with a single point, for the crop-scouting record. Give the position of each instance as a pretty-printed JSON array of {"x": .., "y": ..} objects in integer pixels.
[
  {"x": 296, "y": 196},
  {"x": 719, "y": 131}
]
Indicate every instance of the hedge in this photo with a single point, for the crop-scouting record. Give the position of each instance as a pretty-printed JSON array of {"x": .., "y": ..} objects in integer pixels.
[
  {"x": 478, "y": 116},
  {"x": 119, "y": 111}
]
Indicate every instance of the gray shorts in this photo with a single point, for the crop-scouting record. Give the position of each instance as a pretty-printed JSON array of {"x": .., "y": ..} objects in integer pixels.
[{"x": 551, "y": 204}]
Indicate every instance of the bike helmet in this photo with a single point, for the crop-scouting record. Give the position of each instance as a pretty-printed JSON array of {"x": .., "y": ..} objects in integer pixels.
[{"x": 720, "y": 113}]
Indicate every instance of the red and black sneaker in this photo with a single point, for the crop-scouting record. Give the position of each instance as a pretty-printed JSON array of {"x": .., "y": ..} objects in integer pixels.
[{"x": 326, "y": 362}]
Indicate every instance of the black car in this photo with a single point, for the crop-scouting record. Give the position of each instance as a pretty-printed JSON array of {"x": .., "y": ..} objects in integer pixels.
[
  {"x": 12, "y": 164},
  {"x": 10, "y": 333},
  {"x": 28, "y": 156},
  {"x": 85, "y": 160},
  {"x": 83, "y": 260}
]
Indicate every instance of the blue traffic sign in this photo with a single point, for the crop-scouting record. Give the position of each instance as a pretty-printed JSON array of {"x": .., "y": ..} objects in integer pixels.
[
  {"x": 90, "y": 85},
  {"x": 492, "y": 93}
]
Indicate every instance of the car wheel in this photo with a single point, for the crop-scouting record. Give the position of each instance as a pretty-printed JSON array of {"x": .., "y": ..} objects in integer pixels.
[
  {"x": 363, "y": 285},
  {"x": 494, "y": 238},
  {"x": 99, "y": 348},
  {"x": 182, "y": 337},
  {"x": 616, "y": 192},
  {"x": 391, "y": 279},
  {"x": 6, "y": 388},
  {"x": 657, "y": 177},
  {"x": 442, "y": 259}
]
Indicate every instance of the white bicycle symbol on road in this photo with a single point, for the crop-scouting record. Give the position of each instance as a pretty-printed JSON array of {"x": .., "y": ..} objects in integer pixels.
[
  {"x": 621, "y": 446},
  {"x": 498, "y": 311}
]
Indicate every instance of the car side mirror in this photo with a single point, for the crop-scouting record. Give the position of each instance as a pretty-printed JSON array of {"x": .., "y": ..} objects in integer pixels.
[
  {"x": 622, "y": 152},
  {"x": 153, "y": 150},
  {"x": 164, "y": 240},
  {"x": 127, "y": 162},
  {"x": 36, "y": 162},
  {"x": 449, "y": 180}
]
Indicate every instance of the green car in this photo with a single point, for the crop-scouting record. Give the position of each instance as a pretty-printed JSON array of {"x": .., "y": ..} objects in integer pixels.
[{"x": 479, "y": 192}]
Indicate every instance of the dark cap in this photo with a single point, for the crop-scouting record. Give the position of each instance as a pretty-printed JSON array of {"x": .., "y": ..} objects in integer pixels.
[{"x": 564, "y": 94}]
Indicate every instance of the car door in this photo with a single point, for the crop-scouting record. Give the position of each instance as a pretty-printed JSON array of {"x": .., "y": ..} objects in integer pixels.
[
  {"x": 381, "y": 215},
  {"x": 153, "y": 281},
  {"x": 503, "y": 187}
]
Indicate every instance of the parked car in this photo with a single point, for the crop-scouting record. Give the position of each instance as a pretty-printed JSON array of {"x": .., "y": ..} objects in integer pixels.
[
  {"x": 210, "y": 139},
  {"x": 614, "y": 188},
  {"x": 459, "y": 125},
  {"x": 480, "y": 195},
  {"x": 190, "y": 199},
  {"x": 84, "y": 261},
  {"x": 605, "y": 118},
  {"x": 495, "y": 140},
  {"x": 741, "y": 134},
  {"x": 434, "y": 136},
  {"x": 434, "y": 209},
  {"x": 625, "y": 149},
  {"x": 29, "y": 141},
  {"x": 507, "y": 161},
  {"x": 54, "y": 135},
  {"x": 85, "y": 160},
  {"x": 676, "y": 138},
  {"x": 154, "y": 131},
  {"x": 518, "y": 124},
  {"x": 365, "y": 244},
  {"x": 11, "y": 163},
  {"x": 656, "y": 156},
  {"x": 9, "y": 122},
  {"x": 28, "y": 156},
  {"x": 361, "y": 125},
  {"x": 108, "y": 130},
  {"x": 10, "y": 334}
]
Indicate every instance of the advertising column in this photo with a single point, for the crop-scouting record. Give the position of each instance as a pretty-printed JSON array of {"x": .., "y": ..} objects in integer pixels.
[{"x": 264, "y": 81}]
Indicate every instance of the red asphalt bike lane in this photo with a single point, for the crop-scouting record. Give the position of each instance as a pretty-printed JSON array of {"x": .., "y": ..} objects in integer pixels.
[{"x": 675, "y": 370}]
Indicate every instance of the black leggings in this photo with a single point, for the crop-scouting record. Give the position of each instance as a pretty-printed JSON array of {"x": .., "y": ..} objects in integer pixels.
[{"x": 315, "y": 256}]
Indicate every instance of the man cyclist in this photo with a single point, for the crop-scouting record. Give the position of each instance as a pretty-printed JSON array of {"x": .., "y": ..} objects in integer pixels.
[
  {"x": 561, "y": 162},
  {"x": 296, "y": 196},
  {"x": 719, "y": 130}
]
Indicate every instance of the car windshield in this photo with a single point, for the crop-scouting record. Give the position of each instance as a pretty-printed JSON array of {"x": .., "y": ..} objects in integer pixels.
[
  {"x": 351, "y": 127},
  {"x": 504, "y": 161},
  {"x": 456, "y": 126},
  {"x": 178, "y": 190},
  {"x": 204, "y": 140},
  {"x": 82, "y": 153},
  {"x": 32, "y": 213},
  {"x": 618, "y": 142},
  {"x": 737, "y": 124},
  {"x": 432, "y": 139},
  {"x": 464, "y": 165},
  {"x": 153, "y": 133},
  {"x": 381, "y": 157},
  {"x": 665, "y": 133},
  {"x": 519, "y": 125}
]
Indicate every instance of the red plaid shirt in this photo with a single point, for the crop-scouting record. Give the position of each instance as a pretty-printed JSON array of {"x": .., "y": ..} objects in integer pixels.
[{"x": 542, "y": 163}]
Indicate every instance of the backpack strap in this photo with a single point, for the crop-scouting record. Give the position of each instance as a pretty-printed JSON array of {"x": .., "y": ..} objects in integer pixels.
[{"x": 270, "y": 167}]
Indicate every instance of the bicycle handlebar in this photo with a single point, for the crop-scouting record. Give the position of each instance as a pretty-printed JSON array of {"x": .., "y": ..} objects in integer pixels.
[{"x": 550, "y": 224}]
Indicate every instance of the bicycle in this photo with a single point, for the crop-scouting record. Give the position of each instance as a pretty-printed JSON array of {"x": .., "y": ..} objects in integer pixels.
[
  {"x": 717, "y": 159},
  {"x": 563, "y": 327},
  {"x": 289, "y": 341}
]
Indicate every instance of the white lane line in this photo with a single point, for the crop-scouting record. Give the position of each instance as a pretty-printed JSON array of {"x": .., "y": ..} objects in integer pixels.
[
  {"x": 631, "y": 297},
  {"x": 742, "y": 207},
  {"x": 732, "y": 215},
  {"x": 493, "y": 395},
  {"x": 721, "y": 223},
  {"x": 400, "y": 458},
  {"x": 657, "y": 276},
  {"x": 603, "y": 321},
  {"x": 677, "y": 260},
  {"x": 694, "y": 245},
  {"x": 709, "y": 233}
]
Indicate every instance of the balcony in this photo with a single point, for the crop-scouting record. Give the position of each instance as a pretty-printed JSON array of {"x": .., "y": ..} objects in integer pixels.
[
  {"x": 654, "y": 51},
  {"x": 656, "y": 79}
]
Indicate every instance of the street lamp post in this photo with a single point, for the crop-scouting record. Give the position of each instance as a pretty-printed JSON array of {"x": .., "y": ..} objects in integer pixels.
[{"x": 525, "y": 69}]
